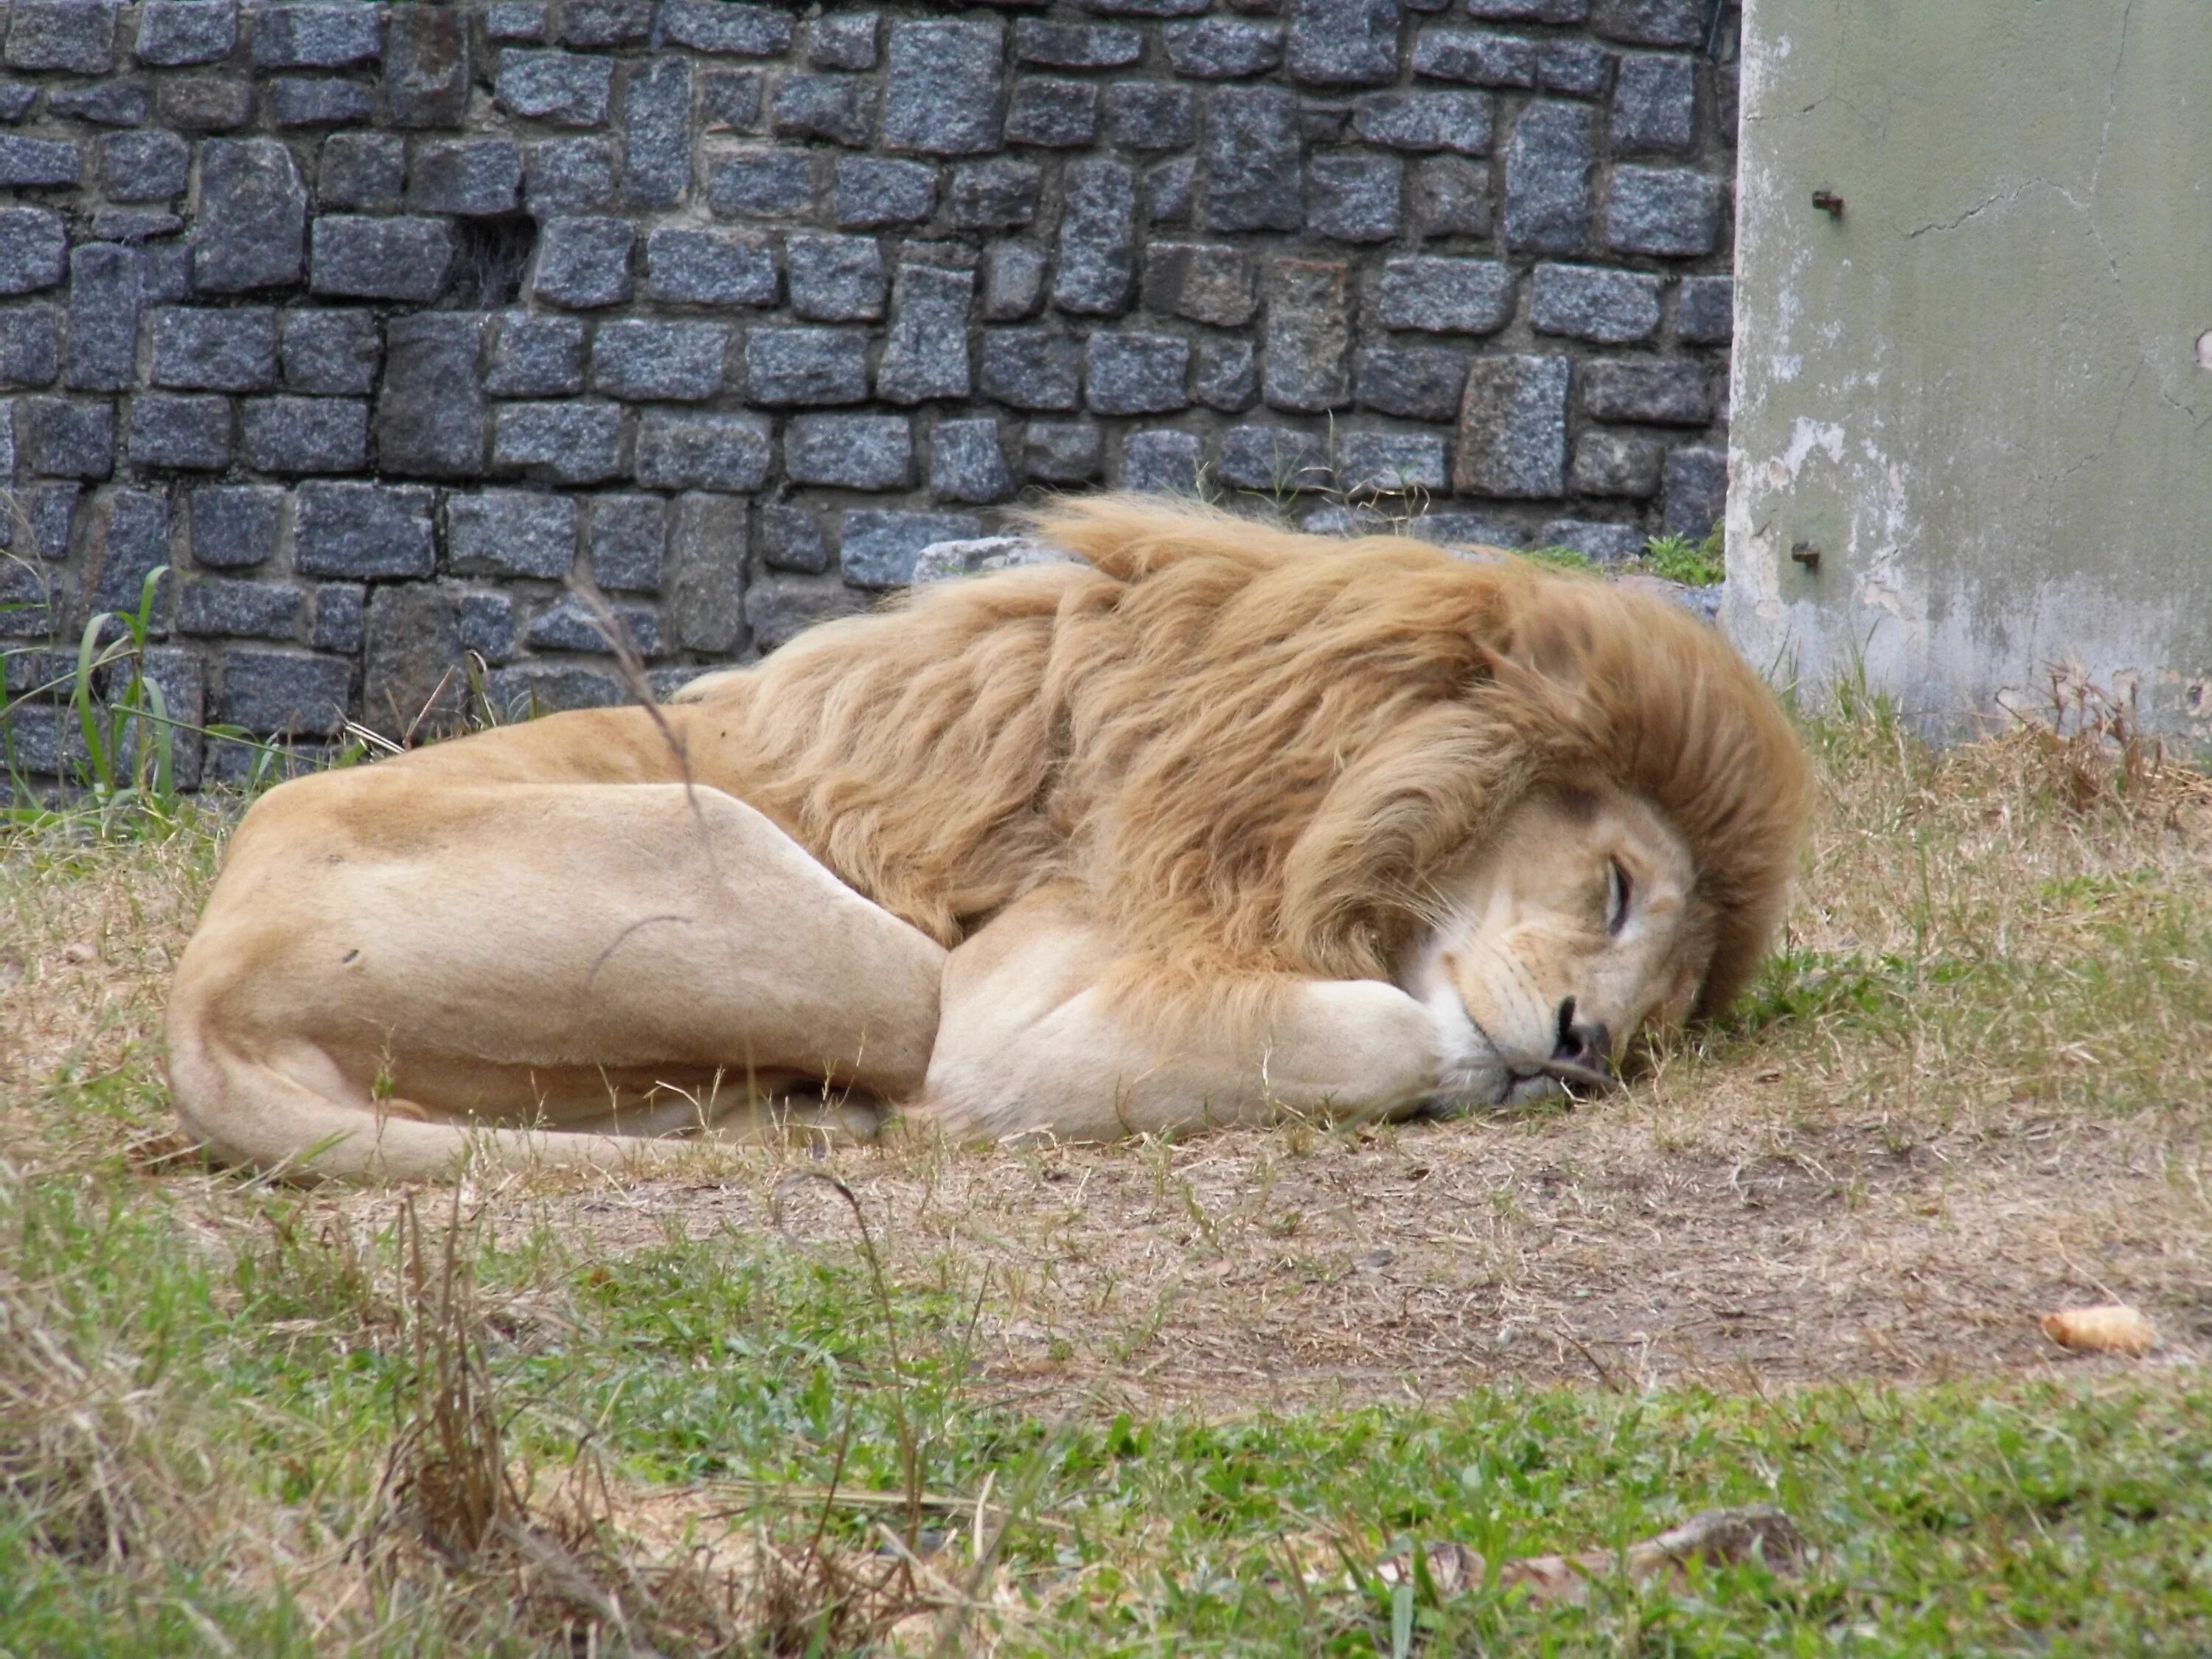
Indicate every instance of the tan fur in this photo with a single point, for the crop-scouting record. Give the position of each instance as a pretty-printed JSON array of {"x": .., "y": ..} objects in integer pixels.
[
  {"x": 1250, "y": 767},
  {"x": 1255, "y": 750}
]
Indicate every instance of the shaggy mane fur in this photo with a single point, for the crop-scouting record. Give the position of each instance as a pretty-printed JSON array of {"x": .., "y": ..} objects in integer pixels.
[{"x": 1256, "y": 751}]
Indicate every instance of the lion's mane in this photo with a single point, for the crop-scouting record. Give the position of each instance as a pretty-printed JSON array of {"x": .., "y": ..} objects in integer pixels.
[{"x": 1256, "y": 750}]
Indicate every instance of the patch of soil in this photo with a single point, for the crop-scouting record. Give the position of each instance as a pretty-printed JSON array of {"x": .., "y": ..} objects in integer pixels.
[{"x": 1604, "y": 1246}]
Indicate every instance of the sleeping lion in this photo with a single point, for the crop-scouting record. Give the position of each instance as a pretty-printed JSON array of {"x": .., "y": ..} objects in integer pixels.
[{"x": 1220, "y": 825}]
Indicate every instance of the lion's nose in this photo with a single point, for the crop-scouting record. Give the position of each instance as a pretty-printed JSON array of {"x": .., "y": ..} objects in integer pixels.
[{"x": 1584, "y": 1043}]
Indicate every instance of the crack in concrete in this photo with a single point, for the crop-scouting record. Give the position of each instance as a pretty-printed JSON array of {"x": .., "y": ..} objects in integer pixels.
[
  {"x": 2112, "y": 432},
  {"x": 2002, "y": 198},
  {"x": 2112, "y": 98}
]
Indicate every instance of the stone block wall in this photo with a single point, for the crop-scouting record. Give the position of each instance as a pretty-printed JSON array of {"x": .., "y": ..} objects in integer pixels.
[{"x": 386, "y": 328}]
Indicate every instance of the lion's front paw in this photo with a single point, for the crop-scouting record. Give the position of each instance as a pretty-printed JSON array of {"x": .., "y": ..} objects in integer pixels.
[{"x": 1470, "y": 1074}]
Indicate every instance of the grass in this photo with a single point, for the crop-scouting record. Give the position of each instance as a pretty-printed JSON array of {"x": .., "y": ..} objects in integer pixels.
[{"x": 923, "y": 1401}]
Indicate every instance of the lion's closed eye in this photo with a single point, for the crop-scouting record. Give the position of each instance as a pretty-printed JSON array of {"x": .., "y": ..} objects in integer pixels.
[{"x": 1620, "y": 890}]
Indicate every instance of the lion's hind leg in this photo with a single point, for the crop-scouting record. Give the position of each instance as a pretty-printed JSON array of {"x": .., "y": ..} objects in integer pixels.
[{"x": 390, "y": 975}]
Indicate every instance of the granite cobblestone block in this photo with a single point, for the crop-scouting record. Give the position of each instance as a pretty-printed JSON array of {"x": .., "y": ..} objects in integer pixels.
[
  {"x": 77, "y": 35},
  {"x": 1032, "y": 369},
  {"x": 1355, "y": 198},
  {"x": 225, "y": 606},
  {"x": 791, "y": 538},
  {"x": 1616, "y": 463},
  {"x": 1695, "y": 482},
  {"x": 106, "y": 295},
  {"x": 945, "y": 94},
  {"x": 376, "y": 320},
  {"x": 1062, "y": 452},
  {"x": 178, "y": 32},
  {"x": 403, "y": 258},
  {"x": 872, "y": 192},
  {"x": 1513, "y": 428},
  {"x": 30, "y": 347},
  {"x": 757, "y": 184},
  {"x": 1418, "y": 383},
  {"x": 1655, "y": 103},
  {"x": 680, "y": 451},
  {"x": 1223, "y": 49},
  {"x": 642, "y": 361},
  {"x": 430, "y": 409},
  {"x": 656, "y": 133},
  {"x": 470, "y": 177},
  {"x": 289, "y": 435},
  {"x": 627, "y": 541},
  {"x": 850, "y": 452},
  {"x": 1390, "y": 463},
  {"x": 1673, "y": 212},
  {"x": 302, "y": 101},
  {"x": 840, "y": 108},
  {"x": 1704, "y": 310},
  {"x": 1457, "y": 121},
  {"x": 1136, "y": 374},
  {"x": 1589, "y": 302},
  {"x": 364, "y": 531},
  {"x": 1549, "y": 196},
  {"x": 129, "y": 541},
  {"x": 211, "y": 102},
  {"x": 38, "y": 161},
  {"x": 708, "y": 268},
  {"x": 1077, "y": 46},
  {"x": 235, "y": 526},
  {"x": 568, "y": 176},
  {"x": 562, "y": 87},
  {"x": 1666, "y": 392},
  {"x": 806, "y": 367},
  {"x": 426, "y": 66},
  {"x": 363, "y": 170},
  {"x": 1273, "y": 458},
  {"x": 34, "y": 249},
  {"x": 184, "y": 431},
  {"x": 578, "y": 442},
  {"x": 535, "y": 356},
  {"x": 1097, "y": 240},
  {"x": 511, "y": 532},
  {"x": 317, "y": 37},
  {"x": 1149, "y": 114},
  {"x": 583, "y": 264},
  {"x": 108, "y": 103},
  {"x": 330, "y": 353},
  {"x": 968, "y": 463},
  {"x": 843, "y": 40},
  {"x": 1163, "y": 463},
  {"x": 68, "y": 438},
  {"x": 252, "y": 216},
  {"x": 926, "y": 355},
  {"x": 144, "y": 167},
  {"x": 281, "y": 694},
  {"x": 836, "y": 279},
  {"x": 1052, "y": 114}
]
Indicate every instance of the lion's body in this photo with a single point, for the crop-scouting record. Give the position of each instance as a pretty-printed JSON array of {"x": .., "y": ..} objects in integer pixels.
[{"x": 1238, "y": 764}]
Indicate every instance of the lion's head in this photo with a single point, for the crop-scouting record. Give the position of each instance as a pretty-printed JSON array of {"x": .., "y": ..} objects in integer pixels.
[{"x": 1569, "y": 931}]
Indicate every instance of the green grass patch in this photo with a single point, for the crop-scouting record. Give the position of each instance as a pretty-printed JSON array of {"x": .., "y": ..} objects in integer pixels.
[{"x": 211, "y": 1426}]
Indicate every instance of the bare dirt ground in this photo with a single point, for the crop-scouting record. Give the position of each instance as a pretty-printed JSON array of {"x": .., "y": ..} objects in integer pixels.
[{"x": 1605, "y": 1246}]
